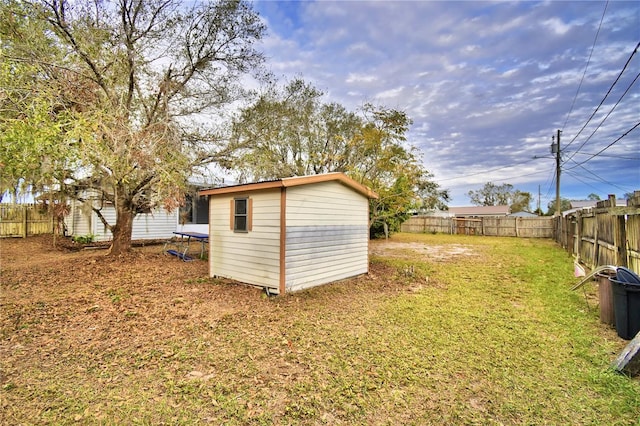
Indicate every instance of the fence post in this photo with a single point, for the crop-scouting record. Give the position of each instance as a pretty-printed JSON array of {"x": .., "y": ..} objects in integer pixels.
[
  {"x": 577, "y": 243},
  {"x": 596, "y": 243},
  {"x": 620, "y": 240},
  {"x": 24, "y": 221}
]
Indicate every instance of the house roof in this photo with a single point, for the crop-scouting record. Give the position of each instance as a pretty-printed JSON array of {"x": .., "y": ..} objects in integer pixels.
[
  {"x": 523, "y": 214},
  {"x": 293, "y": 181},
  {"x": 581, "y": 204},
  {"x": 480, "y": 211}
]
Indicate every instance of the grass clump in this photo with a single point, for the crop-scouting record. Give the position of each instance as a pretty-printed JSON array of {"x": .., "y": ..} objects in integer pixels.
[{"x": 444, "y": 330}]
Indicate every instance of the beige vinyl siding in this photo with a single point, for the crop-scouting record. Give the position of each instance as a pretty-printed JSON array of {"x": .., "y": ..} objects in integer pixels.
[
  {"x": 249, "y": 257},
  {"x": 321, "y": 254},
  {"x": 326, "y": 203},
  {"x": 327, "y": 234}
]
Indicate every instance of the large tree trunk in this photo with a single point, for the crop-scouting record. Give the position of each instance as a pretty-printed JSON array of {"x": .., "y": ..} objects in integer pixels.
[{"x": 122, "y": 229}]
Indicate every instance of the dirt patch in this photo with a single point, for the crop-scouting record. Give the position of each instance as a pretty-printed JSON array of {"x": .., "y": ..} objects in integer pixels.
[
  {"x": 60, "y": 303},
  {"x": 436, "y": 253},
  {"x": 77, "y": 325},
  {"x": 57, "y": 301}
]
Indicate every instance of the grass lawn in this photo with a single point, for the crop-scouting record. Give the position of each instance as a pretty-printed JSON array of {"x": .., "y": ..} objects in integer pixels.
[{"x": 444, "y": 330}]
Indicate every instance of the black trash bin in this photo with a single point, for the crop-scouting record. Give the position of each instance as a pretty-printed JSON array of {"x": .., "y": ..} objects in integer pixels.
[{"x": 626, "y": 302}]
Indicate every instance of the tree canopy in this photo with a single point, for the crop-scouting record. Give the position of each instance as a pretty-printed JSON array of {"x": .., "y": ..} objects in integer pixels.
[
  {"x": 565, "y": 204},
  {"x": 113, "y": 103},
  {"x": 501, "y": 195},
  {"x": 290, "y": 131},
  {"x": 119, "y": 89}
]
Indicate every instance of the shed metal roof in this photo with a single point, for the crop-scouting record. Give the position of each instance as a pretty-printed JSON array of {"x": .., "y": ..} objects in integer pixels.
[{"x": 293, "y": 181}]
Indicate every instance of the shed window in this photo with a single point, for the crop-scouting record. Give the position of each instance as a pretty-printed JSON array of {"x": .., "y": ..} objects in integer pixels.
[{"x": 241, "y": 214}]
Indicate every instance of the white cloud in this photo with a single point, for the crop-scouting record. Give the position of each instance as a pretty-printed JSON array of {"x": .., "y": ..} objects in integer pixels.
[
  {"x": 478, "y": 78},
  {"x": 390, "y": 93},
  {"x": 556, "y": 26},
  {"x": 360, "y": 78}
]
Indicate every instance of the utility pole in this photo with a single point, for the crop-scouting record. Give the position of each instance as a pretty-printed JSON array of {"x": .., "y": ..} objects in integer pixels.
[
  {"x": 555, "y": 149},
  {"x": 558, "y": 210}
]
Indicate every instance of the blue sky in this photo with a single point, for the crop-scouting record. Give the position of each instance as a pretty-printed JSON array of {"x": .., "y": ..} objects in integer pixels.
[{"x": 486, "y": 84}]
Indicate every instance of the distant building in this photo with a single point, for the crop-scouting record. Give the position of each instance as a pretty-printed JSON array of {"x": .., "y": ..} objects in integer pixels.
[
  {"x": 480, "y": 211},
  {"x": 577, "y": 205},
  {"x": 433, "y": 213},
  {"x": 523, "y": 214},
  {"x": 582, "y": 204}
]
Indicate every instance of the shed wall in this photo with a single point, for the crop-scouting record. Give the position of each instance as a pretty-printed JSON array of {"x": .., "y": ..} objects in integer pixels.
[
  {"x": 327, "y": 235},
  {"x": 252, "y": 257}
]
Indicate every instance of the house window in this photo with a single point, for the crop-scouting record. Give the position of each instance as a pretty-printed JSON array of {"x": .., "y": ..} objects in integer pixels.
[
  {"x": 241, "y": 215},
  {"x": 195, "y": 210}
]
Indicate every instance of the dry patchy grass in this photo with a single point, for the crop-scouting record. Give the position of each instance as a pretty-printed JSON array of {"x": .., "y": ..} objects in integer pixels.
[{"x": 444, "y": 329}]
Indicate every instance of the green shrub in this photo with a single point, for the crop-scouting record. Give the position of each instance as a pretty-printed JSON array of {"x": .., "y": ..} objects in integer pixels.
[{"x": 84, "y": 239}]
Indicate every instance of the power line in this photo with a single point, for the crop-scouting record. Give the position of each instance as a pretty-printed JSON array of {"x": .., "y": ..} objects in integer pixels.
[
  {"x": 605, "y": 117},
  {"x": 519, "y": 176},
  {"x": 597, "y": 177},
  {"x": 621, "y": 157},
  {"x": 578, "y": 178},
  {"x": 584, "y": 182},
  {"x": 591, "y": 157},
  {"x": 550, "y": 180},
  {"x": 589, "y": 184},
  {"x": 606, "y": 95},
  {"x": 552, "y": 183},
  {"x": 485, "y": 171},
  {"x": 587, "y": 66}
]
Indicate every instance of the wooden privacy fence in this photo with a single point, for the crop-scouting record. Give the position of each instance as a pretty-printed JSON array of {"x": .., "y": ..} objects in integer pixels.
[
  {"x": 495, "y": 226},
  {"x": 22, "y": 220},
  {"x": 605, "y": 235}
]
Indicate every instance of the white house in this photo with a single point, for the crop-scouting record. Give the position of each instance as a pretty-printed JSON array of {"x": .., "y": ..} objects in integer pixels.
[
  {"x": 290, "y": 234},
  {"x": 83, "y": 221},
  {"x": 158, "y": 224}
]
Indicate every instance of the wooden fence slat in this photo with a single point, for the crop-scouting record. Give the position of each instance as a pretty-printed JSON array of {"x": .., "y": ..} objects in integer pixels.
[
  {"x": 605, "y": 235},
  {"x": 22, "y": 220},
  {"x": 524, "y": 227}
]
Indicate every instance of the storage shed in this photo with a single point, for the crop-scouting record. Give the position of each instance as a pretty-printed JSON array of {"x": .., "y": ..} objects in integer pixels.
[{"x": 290, "y": 234}]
